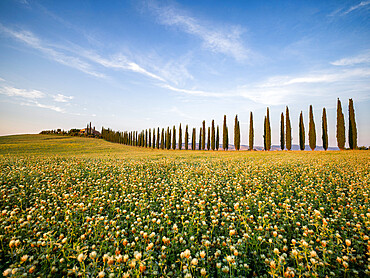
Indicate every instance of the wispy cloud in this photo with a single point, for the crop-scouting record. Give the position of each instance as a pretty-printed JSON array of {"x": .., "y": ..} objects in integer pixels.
[
  {"x": 120, "y": 62},
  {"x": 356, "y": 7},
  {"x": 343, "y": 11},
  {"x": 225, "y": 40},
  {"x": 32, "y": 41},
  {"x": 15, "y": 92},
  {"x": 350, "y": 61},
  {"x": 192, "y": 92},
  {"x": 62, "y": 98}
]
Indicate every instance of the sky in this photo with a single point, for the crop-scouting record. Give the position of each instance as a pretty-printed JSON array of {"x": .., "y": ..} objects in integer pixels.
[{"x": 133, "y": 65}]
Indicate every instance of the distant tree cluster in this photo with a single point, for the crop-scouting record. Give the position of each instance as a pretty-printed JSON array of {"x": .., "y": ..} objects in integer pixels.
[{"x": 209, "y": 137}]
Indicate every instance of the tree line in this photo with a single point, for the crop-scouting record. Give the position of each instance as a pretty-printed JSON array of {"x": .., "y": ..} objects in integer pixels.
[{"x": 209, "y": 137}]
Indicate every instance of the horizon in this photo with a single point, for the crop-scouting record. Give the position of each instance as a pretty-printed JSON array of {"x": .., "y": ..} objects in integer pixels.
[{"x": 135, "y": 65}]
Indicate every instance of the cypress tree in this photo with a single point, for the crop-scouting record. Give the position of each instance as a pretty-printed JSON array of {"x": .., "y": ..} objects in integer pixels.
[
  {"x": 301, "y": 133},
  {"x": 150, "y": 138},
  {"x": 180, "y": 138},
  {"x": 324, "y": 130},
  {"x": 352, "y": 132},
  {"x": 193, "y": 139},
  {"x": 162, "y": 139},
  {"x": 158, "y": 137},
  {"x": 312, "y": 131},
  {"x": 186, "y": 138},
  {"x": 217, "y": 138},
  {"x": 213, "y": 136},
  {"x": 227, "y": 138},
  {"x": 282, "y": 133},
  {"x": 146, "y": 138},
  {"x": 225, "y": 141},
  {"x": 169, "y": 138},
  {"x": 209, "y": 139},
  {"x": 236, "y": 134},
  {"x": 200, "y": 139},
  {"x": 174, "y": 138},
  {"x": 264, "y": 134},
  {"x": 251, "y": 131},
  {"x": 268, "y": 130},
  {"x": 204, "y": 135},
  {"x": 288, "y": 137},
  {"x": 341, "y": 136}
]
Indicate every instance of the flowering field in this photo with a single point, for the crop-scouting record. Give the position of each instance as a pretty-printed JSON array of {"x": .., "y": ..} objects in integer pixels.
[{"x": 118, "y": 211}]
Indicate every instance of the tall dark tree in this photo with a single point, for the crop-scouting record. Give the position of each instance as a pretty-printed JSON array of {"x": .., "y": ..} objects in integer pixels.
[
  {"x": 282, "y": 132},
  {"x": 311, "y": 130},
  {"x": 341, "y": 135},
  {"x": 174, "y": 138},
  {"x": 268, "y": 130},
  {"x": 146, "y": 138},
  {"x": 169, "y": 139},
  {"x": 264, "y": 134},
  {"x": 158, "y": 138},
  {"x": 200, "y": 139},
  {"x": 352, "y": 132},
  {"x": 302, "y": 135},
  {"x": 288, "y": 136},
  {"x": 204, "y": 135},
  {"x": 180, "y": 138},
  {"x": 213, "y": 136},
  {"x": 225, "y": 141},
  {"x": 251, "y": 132},
  {"x": 162, "y": 139},
  {"x": 150, "y": 138},
  {"x": 193, "y": 139},
  {"x": 217, "y": 138},
  {"x": 209, "y": 139},
  {"x": 236, "y": 134},
  {"x": 324, "y": 130}
]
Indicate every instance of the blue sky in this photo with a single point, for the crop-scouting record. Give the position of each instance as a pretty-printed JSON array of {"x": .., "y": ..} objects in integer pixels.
[{"x": 131, "y": 65}]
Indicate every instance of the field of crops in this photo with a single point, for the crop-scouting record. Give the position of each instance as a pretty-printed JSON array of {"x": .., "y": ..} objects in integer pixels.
[{"x": 88, "y": 208}]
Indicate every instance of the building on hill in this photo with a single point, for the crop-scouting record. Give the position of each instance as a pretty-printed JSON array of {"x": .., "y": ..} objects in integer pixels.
[{"x": 93, "y": 131}]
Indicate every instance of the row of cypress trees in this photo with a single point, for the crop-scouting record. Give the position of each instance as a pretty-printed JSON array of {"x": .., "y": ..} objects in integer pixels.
[{"x": 166, "y": 139}]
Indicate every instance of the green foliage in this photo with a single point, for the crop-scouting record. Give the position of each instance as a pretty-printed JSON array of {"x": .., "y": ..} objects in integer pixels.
[
  {"x": 180, "y": 137},
  {"x": 288, "y": 136},
  {"x": 341, "y": 136},
  {"x": 200, "y": 139},
  {"x": 186, "y": 137},
  {"x": 311, "y": 130},
  {"x": 237, "y": 134},
  {"x": 282, "y": 132},
  {"x": 267, "y": 131},
  {"x": 302, "y": 139},
  {"x": 213, "y": 136},
  {"x": 225, "y": 141},
  {"x": 209, "y": 139},
  {"x": 193, "y": 139},
  {"x": 324, "y": 130},
  {"x": 174, "y": 138},
  {"x": 217, "y": 138},
  {"x": 251, "y": 131},
  {"x": 352, "y": 129},
  {"x": 162, "y": 139},
  {"x": 204, "y": 135}
]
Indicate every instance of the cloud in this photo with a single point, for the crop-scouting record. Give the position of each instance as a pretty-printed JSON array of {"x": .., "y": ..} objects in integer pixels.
[
  {"x": 225, "y": 40},
  {"x": 32, "y": 41},
  {"x": 350, "y": 61},
  {"x": 356, "y": 7},
  {"x": 45, "y": 106},
  {"x": 29, "y": 94},
  {"x": 192, "y": 92},
  {"x": 62, "y": 98}
]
